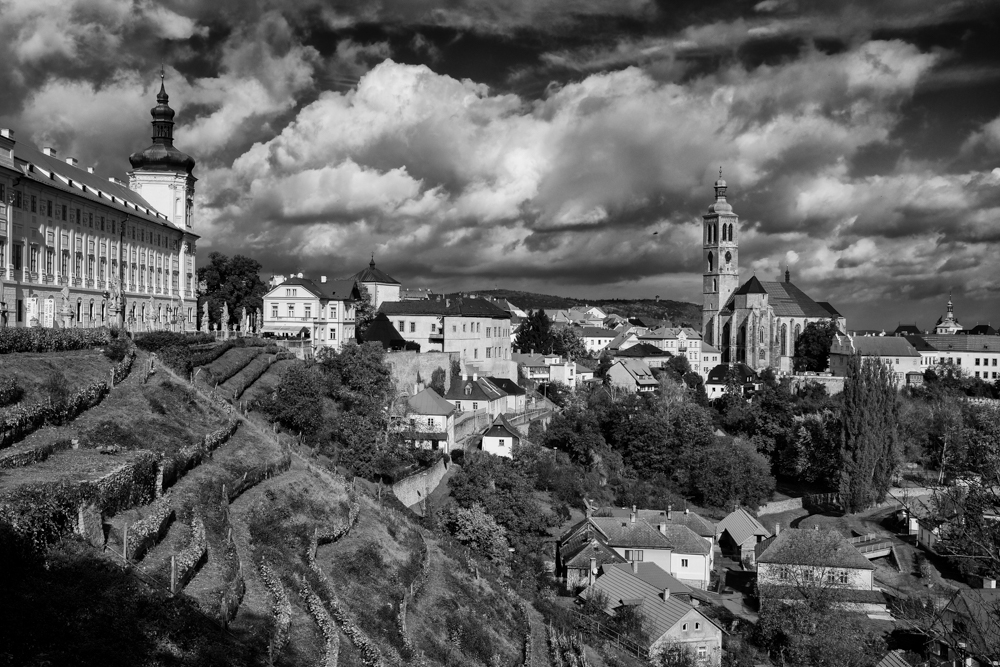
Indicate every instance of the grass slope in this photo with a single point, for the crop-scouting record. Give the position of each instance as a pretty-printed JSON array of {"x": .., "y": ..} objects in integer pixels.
[{"x": 80, "y": 367}]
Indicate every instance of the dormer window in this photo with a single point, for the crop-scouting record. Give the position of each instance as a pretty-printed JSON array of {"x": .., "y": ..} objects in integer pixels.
[{"x": 468, "y": 390}]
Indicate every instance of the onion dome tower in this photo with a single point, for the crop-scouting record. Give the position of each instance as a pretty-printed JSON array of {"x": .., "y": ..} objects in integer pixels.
[{"x": 161, "y": 173}]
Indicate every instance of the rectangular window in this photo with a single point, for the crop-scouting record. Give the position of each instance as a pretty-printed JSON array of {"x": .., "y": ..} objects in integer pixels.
[
  {"x": 475, "y": 406},
  {"x": 463, "y": 328},
  {"x": 3, "y": 194},
  {"x": 90, "y": 267},
  {"x": 475, "y": 353},
  {"x": 33, "y": 259},
  {"x": 48, "y": 208},
  {"x": 977, "y": 373},
  {"x": 291, "y": 310},
  {"x": 78, "y": 218},
  {"x": 34, "y": 204},
  {"x": 454, "y": 328},
  {"x": 3, "y": 253},
  {"x": 50, "y": 257},
  {"x": 488, "y": 352},
  {"x": 702, "y": 652},
  {"x": 308, "y": 309},
  {"x": 274, "y": 311},
  {"x": 333, "y": 334},
  {"x": 413, "y": 327},
  {"x": 502, "y": 442},
  {"x": 90, "y": 220},
  {"x": 20, "y": 310},
  {"x": 402, "y": 326},
  {"x": 64, "y": 263},
  {"x": 102, "y": 223},
  {"x": 63, "y": 212},
  {"x": 958, "y": 362},
  {"x": 684, "y": 562}
]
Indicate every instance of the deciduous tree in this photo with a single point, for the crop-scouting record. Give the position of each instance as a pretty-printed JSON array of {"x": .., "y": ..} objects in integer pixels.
[
  {"x": 535, "y": 333},
  {"x": 812, "y": 347},
  {"x": 233, "y": 280}
]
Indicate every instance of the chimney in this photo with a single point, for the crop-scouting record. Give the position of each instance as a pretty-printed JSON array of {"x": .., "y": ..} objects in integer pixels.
[
  {"x": 669, "y": 511},
  {"x": 635, "y": 567},
  {"x": 465, "y": 378},
  {"x": 687, "y": 511},
  {"x": 48, "y": 150},
  {"x": 90, "y": 170},
  {"x": 666, "y": 593},
  {"x": 631, "y": 516},
  {"x": 989, "y": 583},
  {"x": 72, "y": 161},
  {"x": 447, "y": 303},
  {"x": 593, "y": 570},
  {"x": 300, "y": 275},
  {"x": 777, "y": 528},
  {"x": 322, "y": 279},
  {"x": 7, "y": 134}
]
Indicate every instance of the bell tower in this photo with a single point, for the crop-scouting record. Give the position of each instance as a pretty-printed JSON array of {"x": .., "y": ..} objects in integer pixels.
[{"x": 720, "y": 259}]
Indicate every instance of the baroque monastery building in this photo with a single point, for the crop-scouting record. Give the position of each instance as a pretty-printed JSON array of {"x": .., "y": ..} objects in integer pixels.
[
  {"x": 755, "y": 323},
  {"x": 75, "y": 248}
]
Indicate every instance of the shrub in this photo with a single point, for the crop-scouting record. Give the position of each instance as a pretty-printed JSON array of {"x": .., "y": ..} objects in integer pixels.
[
  {"x": 10, "y": 392},
  {"x": 177, "y": 358},
  {"x": 56, "y": 389},
  {"x": 41, "y": 339},
  {"x": 117, "y": 349},
  {"x": 231, "y": 365},
  {"x": 109, "y": 434},
  {"x": 157, "y": 340}
]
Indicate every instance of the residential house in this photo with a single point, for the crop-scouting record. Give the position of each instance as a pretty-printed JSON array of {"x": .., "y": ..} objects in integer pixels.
[
  {"x": 668, "y": 619},
  {"x": 715, "y": 385},
  {"x": 581, "y": 557},
  {"x": 632, "y": 375},
  {"x": 678, "y": 341},
  {"x": 471, "y": 394},
  {"x": 381, "y": 287},
  {"x": 558, "y": 316},
  {"x": 669, "y": 543},
  {"x": 739, "y": 533},
  {"x": 969, "y": 625},
  {"x": 323, "y": 310},
  {"x": 626, "y": 337},
  {"x": 500, "y": 438},
  {"x": 583, "y": 373},
  {"x": 596, "y": 339},
  {"x": 710, "y": 358},
  {"x": 546, "y": 368},
  {"x": 698, "y": 524},
  {"x": 380, "y": 330},
  {"x": 795, "y": 563},
  {"x": 477, "y": 329},
  {"x": 650, "y": 355},
  {"x": 430, "y": 421},
  {"x": 894, "y": 351},
  {"x": 974, "y": 355},
  {"x": 415, "y": 294},
  {"x": 516, "y": 395},
  {"x": 907, "y": 330}
]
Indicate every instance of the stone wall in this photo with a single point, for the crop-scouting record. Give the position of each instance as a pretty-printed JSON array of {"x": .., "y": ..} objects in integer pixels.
[
  {"x": 470, "y": 423},
  {"x": 412, "y": 490},
  {"x": 834, "y": 385},
  {"x": 779, "y": 506},
  {"x": 90, "y": 524},
  {"x": 406, "y": 366}
]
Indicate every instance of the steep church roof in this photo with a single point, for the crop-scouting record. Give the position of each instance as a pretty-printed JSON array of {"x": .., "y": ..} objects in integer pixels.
[
  {"x": 373, "y": 275},
  {"x": 751, "y": 286},
  {"x": 785, "y": 299}
]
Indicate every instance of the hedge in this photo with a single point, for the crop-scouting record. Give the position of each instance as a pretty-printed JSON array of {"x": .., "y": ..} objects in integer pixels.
[
  {"x": 230, "y": 366},
  {"x": 21, "y": 421},
  {"x": 154, "y": 341},
  {"x": 20, "y": 457},
  {"x": 42, "y": 513},
  {"x": 193, "y": 555},
  {"x": 281, "y": 610},
  {"x": 10, "y": 392},
  {"x": 331, "y": 649},
  {"x": 42, "y": 339},
  {"x": 252, "y": 372}
]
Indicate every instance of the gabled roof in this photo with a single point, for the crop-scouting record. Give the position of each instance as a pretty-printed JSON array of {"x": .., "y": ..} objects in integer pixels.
[
  {"x": 742, "y": 526},
  {"x": 751, "y": 286},
  {"x": 334, "y": 290},
  {"x": 624, "y": 588},
  {"x": 639, "y": 371},
  {"x": 952, "y": 343},
  {"x": 429, "y": 402},
  {"x": 642, "y": 350},
  {"x": 979, "y": 330},
  {"x": 526, "y": 359},
  {"x": 595, "y": 332},
  {"x": 698, "y": 524},
  {"x": 625, "y": 533},
  {"x": 373, "y": 275},
  {"x": 919, "y": 344},
  {"x": 509, "y": 387},
  {"x": 873, "y": 346},
  {"x": 579, "y": 553},
  {"x": 473, "y": 390},
  {"x": 458, "y": 307},
  {"x": 709, "y": 349},
  {"x": 501, "y": 428},
  {"x": 125, "y": 200},
  {"x": 382, "y": 331},
  {"x": 655, "y": 576},
  {"x": 820, "y": 548},
  {"x": 718, "y": 374},
  {"x": 828, "y": 307},
  {"x": 893, "y": 659},
  {"x": 978, "y": 607},
  {"x": 907, "y": 330}
]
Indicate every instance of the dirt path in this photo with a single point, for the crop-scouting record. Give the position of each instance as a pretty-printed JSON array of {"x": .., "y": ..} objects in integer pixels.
[{"x": 539, "y": 639}]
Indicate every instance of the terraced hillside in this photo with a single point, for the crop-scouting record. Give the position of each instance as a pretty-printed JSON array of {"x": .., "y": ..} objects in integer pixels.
[{"x": 219, "y": 542}]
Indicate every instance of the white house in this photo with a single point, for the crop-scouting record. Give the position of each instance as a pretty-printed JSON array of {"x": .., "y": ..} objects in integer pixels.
[
  {"x": 380, "y": 285},
  {"x": 596, "y": 339},
  {"x": 632, "y": 375},
  {"x": 324, "y": 309},
  {"x": 894, "y": 351},
  {"x": 500, "y": 438},
  {"x": 430, "y": 421},
  {"x": 471, "y": 394}
]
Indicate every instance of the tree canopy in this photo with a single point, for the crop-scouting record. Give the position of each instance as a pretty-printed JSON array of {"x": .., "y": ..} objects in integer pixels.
[
  {"x": 232, "y": 280},
  {"x": 812, "y": 347},
  {"x": 535, "y": 333}
]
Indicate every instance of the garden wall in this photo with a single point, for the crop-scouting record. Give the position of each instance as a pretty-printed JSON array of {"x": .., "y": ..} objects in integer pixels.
[
  {"x": 412, "y": 490},
  {"x": 406, "y": 366}
]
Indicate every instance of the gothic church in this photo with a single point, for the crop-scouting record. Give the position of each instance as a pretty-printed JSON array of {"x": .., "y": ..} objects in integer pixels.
[{"x": 755, "y": 323}]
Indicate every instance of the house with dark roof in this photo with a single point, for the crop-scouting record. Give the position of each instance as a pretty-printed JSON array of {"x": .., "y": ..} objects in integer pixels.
[
  {"x": 969, "y": 624},
  {"x": 595, "y": 339},
  {"x": 649, "y": 354},
  {"x": 517, "y": 396},
  {"x": 632, "y": 375},
  {"x": 478, "y": 329},
  {"x": 668, "y": 616},
  {"x": 471, "y": 394},
  {"x": 758, "y": 322},
  {"x": 649, "y": 536},
  {"x": 907, "y": 330},
  {"x": 739, "y": 533},
  {"x": 715, "y": 384},
  {"x": 381, "y": 287},
  {"x": 975, "y": 356},
  {"x": 324, "y": 309},
  {"x": 797, "y": 563},
  {"x": 500, "y": 438},
  {"x": 429, "y": 421},
  {"x": 980, "y": 330},
  {"x": 894, "y": 351},
  {"x": 381, "y": 330}
]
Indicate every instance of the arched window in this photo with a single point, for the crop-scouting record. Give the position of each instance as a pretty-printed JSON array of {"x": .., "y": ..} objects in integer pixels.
[
  {"x": 715, "y": 285},
  {"x": 798, "y": 332},
  {"x": 730, "y": 232},
  {"x": 784, "y": 340},
  {"x": 763, "y": 354},
  {"x": 711, "y": 262},
  {"x": 723, "y": 232},
  {"x": 761, "y": 334}
]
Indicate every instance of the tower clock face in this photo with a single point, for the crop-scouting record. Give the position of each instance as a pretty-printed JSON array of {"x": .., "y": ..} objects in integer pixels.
[{"x": 729, "y": 257}]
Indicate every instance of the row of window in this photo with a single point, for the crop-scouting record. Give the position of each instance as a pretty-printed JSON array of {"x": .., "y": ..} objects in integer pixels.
[
  {"x": 306, "y": 310},
  {"x": 64, "y": 213},
  {"x": 92, "y": 313},
  {"x": 957, "y": 361},
  {"x": 986, "y": 375},
  {"x": 467, "y": 327},
  {"x": 811, "y": 576}
]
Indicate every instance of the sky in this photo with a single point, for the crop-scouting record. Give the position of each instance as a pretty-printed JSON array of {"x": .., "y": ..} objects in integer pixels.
[{"x": 558, "y": 147}]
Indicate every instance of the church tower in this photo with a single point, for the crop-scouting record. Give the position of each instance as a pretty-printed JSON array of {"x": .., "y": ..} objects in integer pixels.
[
  {"x": 161, "y": 174},
  {"x": 720, "y": 240}
]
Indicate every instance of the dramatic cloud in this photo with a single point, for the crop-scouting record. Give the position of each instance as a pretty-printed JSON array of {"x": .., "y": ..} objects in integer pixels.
[{"x": 470, "y": 144}]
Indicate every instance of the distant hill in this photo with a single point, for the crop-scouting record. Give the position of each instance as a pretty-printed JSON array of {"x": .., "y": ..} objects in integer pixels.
[{"x": 680, "y": 313}]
